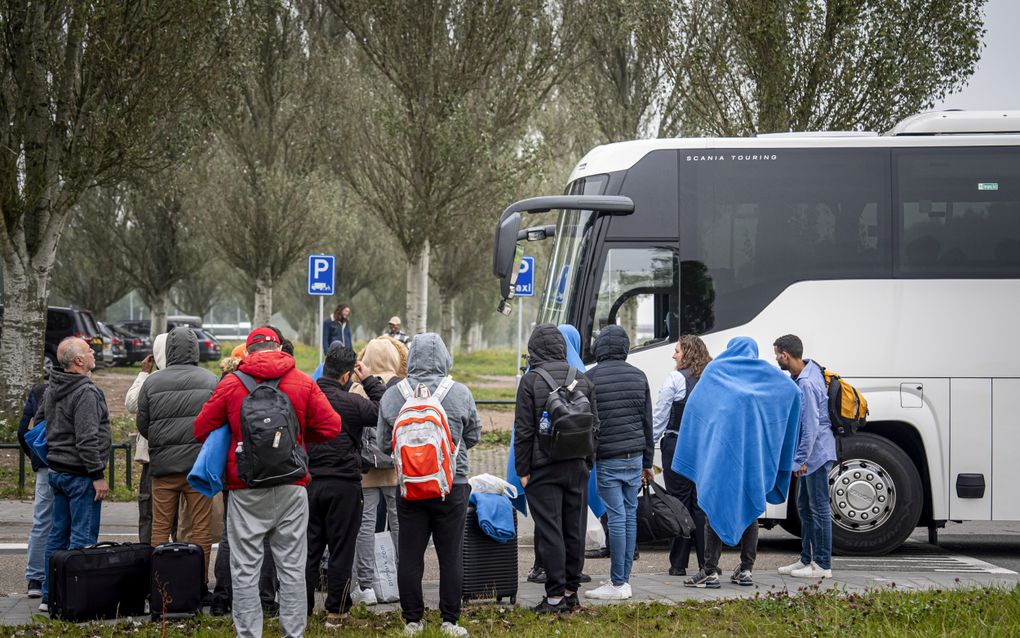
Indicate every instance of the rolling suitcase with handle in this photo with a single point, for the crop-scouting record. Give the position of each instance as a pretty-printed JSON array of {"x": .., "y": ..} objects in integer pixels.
[
  {"x": 178, "y": 576},
  {"x": 108, "y": 580},
  {"x": 490, "y": 568}
]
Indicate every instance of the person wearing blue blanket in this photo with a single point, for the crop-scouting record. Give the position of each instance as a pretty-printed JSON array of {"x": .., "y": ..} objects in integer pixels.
[
  {"x": 736, "y": 443},
  {"x": 495, "y": 516}
]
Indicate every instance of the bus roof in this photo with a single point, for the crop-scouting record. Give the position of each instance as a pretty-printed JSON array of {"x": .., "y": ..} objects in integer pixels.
[{"x": 936, "y": 128}]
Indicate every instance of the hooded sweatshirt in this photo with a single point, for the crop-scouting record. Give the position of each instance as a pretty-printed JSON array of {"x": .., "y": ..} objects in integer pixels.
[
  {"x": 131, "y": 399},
  {"x": 78, "y": 433},
  {"x": 547, "y": 350},
  {"x": 738, "y": 436},
  {"x": 625, "y": 403},
  {"x": 429, "y": 362},
  {"x": 170, "y": 400}
]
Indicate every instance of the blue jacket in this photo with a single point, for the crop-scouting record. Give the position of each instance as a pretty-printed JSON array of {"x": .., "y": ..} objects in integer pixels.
[
  {"x": 333, "y": 331},
  {"x": 737, "y": 438},
  {"x": 817, "y": 445}
]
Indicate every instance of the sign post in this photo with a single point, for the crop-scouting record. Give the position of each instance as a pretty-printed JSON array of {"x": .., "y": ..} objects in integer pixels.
[
  {"x": 321, "y": 282},
  {"x": 525, "y": 288}
]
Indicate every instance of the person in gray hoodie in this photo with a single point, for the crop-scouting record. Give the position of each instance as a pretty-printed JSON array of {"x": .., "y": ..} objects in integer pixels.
[
  {"x": 428, "y": 363},
  {"x": 78, "y": 442},
  {"x": 168, "y": 403}
]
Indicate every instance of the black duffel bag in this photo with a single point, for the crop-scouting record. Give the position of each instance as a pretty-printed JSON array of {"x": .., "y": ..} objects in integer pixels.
[{"x": 661, "y": 516}]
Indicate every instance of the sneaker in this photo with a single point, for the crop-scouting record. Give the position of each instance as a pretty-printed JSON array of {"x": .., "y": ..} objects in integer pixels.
[
  {"x": 537, "y": 575},
  {"x": 571, "y": 601},
  {"x": 34, "y": 589},
  {"x": 677, "y": 571},
  {"x": 413, "y": 628},
  {"x": 602, "y": 552},
  {"x": 334, "y": 620},
  {"x": 366, "y": 596},
  {"x": 789, "y": 569},
  {"x": 609, "y": 591},
  {"x": 219, "y": 608},
  {"x": 701, "y": 580},
  {"x": 44, "y": 608},
  {"x": 545, "y": 607},
  {"x": 811, "y": 571},
  {"x": 450, "y": 629},
  {"x": 585, "y": 578},
  {"x": 742, "y": 577}
]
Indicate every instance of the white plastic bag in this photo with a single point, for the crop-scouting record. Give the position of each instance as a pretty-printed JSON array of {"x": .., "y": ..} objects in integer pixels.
[
  {"x": 594, "y": 535},
  {"x": 489, "y": 484},
  {"x": 385, "y": 584}
]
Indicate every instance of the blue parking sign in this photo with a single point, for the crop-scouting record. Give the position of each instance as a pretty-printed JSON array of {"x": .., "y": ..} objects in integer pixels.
[
  {"x": 321, "y": 274},
  {"x": 526, "y": 278}
]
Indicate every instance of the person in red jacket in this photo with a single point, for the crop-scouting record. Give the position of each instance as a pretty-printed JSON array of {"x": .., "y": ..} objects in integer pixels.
[{"x": 279, "y": 512}]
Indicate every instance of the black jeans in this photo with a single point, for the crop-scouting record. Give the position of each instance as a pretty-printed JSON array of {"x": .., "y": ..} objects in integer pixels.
[
  {"x": 145, "y": 505},
  {"x": 683, "y": 489},
  {"x": 334, "y": 518},
  {"x": 714, "y": 545},
  {"x": 443, "y": 520},
  {"x": 223, "y": 592},
  {"x": 557, "y": 499}
]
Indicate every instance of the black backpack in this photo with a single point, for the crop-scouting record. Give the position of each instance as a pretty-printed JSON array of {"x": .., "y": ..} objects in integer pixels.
[
  {"x": 269, "y": 453},
  {"x": 573, "y": 423}
]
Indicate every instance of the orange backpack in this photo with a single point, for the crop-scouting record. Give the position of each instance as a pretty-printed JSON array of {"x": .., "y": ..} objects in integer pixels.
[
  {"x": 848, "y": 409},
  {"x": 423, "y": 450}
]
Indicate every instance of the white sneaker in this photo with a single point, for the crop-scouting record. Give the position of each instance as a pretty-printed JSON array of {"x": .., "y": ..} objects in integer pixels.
[
  {"x": 44, "y": 608},
  {"x": 609, "y": 591},
  {"x": 413, "y": 628},
  {"x": 789, "y": 569},
  {"x": 811, "y": 571},
  {"x": 450, "y": 629},
  {"x": 366, "y": 596}
]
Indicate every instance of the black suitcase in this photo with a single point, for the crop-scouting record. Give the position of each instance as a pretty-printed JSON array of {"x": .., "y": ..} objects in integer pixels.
[
  {"x": 108, "y": 580},
  {"x": 178, "y": 576},
  {"x": 490, "y": 568}
]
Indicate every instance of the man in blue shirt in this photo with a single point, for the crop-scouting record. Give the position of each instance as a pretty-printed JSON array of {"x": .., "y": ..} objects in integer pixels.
[{"x": 816, "y": 452}]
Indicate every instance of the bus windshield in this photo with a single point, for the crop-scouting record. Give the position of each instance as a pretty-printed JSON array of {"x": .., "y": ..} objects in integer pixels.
[{"x": 573, "y": 232}]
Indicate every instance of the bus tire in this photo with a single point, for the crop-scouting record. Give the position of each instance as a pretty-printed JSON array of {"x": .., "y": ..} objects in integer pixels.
[{"x": 876, "y": 497}]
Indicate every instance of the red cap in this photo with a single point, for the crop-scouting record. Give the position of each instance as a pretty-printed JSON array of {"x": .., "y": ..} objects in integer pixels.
[{"x": 258, "y": 335}]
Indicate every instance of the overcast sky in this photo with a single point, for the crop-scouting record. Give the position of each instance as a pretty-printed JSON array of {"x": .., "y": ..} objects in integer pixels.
[{"x": 995, "y": 84}]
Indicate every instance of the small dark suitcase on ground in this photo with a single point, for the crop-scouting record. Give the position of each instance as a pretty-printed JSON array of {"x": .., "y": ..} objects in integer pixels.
[
  {"x": 108, "y": 580},
  {"x": 490, "y": 568},
  {"x": 178, "y": 571}
]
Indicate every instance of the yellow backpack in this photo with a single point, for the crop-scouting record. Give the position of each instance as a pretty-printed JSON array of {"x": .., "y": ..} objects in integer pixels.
[{"x": 848, "y": 409}]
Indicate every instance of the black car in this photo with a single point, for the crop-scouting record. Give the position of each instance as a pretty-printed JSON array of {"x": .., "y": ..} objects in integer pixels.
[
  {"x": 64, "y": 322},
  {"x": 137, "y": 347},
  {"x": 208, "y": 346},
  {"x": 118, "y": 351}
]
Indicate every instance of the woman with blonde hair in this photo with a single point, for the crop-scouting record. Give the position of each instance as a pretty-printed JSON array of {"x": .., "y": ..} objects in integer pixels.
[
  {"x": 691, "y": 357},
  {"x": 386, "y": 358}
]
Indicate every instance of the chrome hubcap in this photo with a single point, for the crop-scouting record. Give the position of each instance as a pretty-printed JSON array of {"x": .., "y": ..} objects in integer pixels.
[{"x": 861, "y": 494}]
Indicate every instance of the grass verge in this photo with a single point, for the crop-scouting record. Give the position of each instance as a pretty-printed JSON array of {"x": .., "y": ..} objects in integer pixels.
[{"x": 886, "y": 613}]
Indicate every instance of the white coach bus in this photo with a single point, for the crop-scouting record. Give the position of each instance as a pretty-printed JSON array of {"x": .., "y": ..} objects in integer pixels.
[{"x": 895, "y": 257}]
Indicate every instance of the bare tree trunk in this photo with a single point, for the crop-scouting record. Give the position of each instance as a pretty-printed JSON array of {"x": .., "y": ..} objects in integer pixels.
[
  {"x": 157, "y": 314},
  {"x": 418, "y": 292},
  {"x": 24, "y": 336},
  {"x": 447, "y": 320},
  {"x": 263, "y": 300},
  {"x": 475, "y": 339}
]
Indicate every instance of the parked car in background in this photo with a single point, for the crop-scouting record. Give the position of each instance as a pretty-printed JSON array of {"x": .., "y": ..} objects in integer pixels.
[
  {"x": 117, "y": 351},
  {"x": 62, "y": 322},
  {"x": 136, "y": 346},
  {"x": 208, "y": 346}
]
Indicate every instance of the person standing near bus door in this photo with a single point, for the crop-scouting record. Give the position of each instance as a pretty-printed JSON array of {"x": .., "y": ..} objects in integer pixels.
[
  {"x": 690, "y": 357},
  {"x": 816, "y": 453}
]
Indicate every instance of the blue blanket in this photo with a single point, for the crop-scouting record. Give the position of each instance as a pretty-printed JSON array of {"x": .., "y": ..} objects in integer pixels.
[
  {"x": 209, "y": 472},
  {"x": 738, "y": 437},
  {"x": 495, "y": 516},
  {"x": 573, "y": 339},
  {"x": 36, "y": 440}
]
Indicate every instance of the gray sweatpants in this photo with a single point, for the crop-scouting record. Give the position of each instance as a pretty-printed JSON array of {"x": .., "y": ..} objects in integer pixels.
[
  {"x": 364, "y": 563},
  {"x": 281, "y": 513}
]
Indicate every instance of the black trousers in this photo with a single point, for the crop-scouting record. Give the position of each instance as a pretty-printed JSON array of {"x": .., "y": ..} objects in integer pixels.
[
  {"x": 683, "y": 489},
  {"x": 443, "y": 521},
  {"x": 714, "y": 546},
  {"x": 334, "y": 518},
  {"x": 223, "y": 592},
  {"x": 557, "y": 499},
  {"x": 145, "y": 506}
]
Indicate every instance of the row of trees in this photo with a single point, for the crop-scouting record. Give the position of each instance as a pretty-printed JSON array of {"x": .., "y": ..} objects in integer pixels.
[{"x": 144, "y": 145}]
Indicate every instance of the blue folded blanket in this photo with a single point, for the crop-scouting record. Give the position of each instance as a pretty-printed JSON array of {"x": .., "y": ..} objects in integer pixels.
[
  {"x": 36, "y": 440},
  {"x": 209, "y": 472},
  {"x": 495, "y": 516}
]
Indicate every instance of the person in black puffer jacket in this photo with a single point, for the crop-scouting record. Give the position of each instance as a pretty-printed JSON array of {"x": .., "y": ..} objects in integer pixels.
[
  {"x": 335, "y": 501},
  {"x": 625, "y": 451},
  {"x": 556, "y": 490},
  {"x": 168, "y": 403}
]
